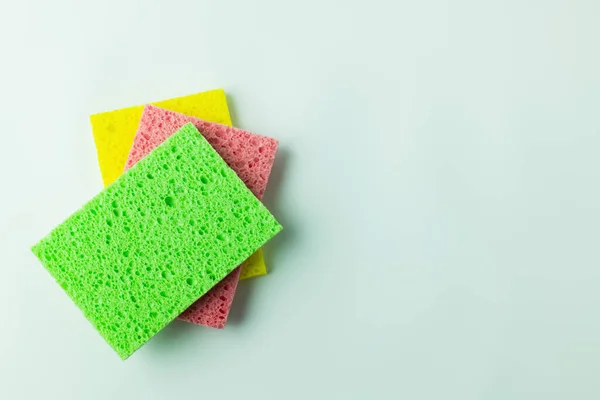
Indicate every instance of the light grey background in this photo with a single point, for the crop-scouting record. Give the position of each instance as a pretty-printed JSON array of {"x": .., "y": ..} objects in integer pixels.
[{"x": 437, "y": 180}]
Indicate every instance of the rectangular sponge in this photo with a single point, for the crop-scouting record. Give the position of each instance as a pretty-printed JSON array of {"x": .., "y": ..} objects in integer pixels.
[
  {"x": 114, "y": 132},
  {"x": 250, "y": 155},
  {"x": 149, "y": 245}
]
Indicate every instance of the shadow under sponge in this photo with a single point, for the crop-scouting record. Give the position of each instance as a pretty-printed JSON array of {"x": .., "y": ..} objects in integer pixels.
[{"x": 154, "y": 241}]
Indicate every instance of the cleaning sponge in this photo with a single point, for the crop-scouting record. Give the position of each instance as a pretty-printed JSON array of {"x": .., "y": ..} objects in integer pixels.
[
  {"x": 114, "y": 132},
  {"x": 158, "y": 238},
  {"x": 250, "y": 155}
]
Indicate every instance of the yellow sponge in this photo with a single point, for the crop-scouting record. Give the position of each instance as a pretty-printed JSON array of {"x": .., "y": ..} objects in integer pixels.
[{"x": 114, "y": 132}]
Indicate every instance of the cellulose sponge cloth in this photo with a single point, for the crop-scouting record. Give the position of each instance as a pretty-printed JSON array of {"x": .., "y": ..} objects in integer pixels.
[
  {"x": 250, "y": 155},
  {"x": 114, "y": 132},
  {"x": 149, "y": 245}
]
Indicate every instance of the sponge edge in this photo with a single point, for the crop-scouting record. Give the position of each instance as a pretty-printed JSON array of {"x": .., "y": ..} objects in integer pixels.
[
  {"x": 141, "y": 251},
  {"x": 114, "y": 132},
  {"x": 250, "y": 155}
]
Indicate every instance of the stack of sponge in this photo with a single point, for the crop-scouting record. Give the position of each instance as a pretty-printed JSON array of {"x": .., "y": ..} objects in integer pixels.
[{"x": 179, "y": 223}]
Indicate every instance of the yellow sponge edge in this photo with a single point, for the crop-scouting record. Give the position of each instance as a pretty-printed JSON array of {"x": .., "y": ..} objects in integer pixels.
[
  {"x": 254, "y": 266},
  {"x": 114, "y": 132}
]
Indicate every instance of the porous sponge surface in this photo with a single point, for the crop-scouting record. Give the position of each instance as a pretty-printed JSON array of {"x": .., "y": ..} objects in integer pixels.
[
  {"x": 114, "y": 130},
  {"x": 149, "y": 245},
  {"x": 250, "y": 155},
  {"x": 213, "y": 308}
]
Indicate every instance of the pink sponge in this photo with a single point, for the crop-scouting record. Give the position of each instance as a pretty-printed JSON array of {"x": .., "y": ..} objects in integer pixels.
[{"x": 250, "y": 155}]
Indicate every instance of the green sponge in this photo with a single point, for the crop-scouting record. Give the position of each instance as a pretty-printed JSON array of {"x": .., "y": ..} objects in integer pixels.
[{"x": 155, "y": 240}]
